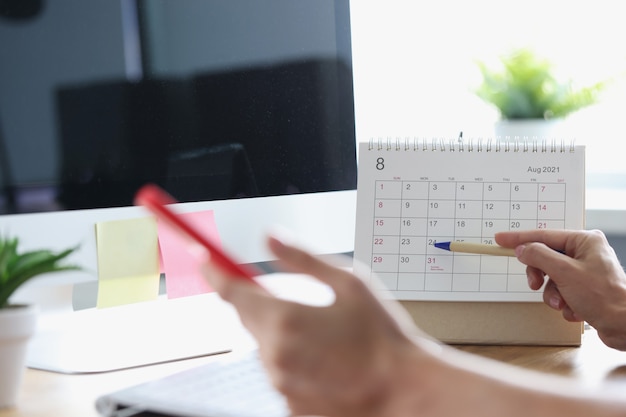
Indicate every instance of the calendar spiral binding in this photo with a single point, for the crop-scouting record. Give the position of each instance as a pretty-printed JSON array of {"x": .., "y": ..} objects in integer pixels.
[{"x": 473, "y": 145}]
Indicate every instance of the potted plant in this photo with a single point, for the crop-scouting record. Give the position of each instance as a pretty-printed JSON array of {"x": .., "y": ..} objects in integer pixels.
[
  {"x": 529, "y": 96},
  {"x": 17, "y": 321}
]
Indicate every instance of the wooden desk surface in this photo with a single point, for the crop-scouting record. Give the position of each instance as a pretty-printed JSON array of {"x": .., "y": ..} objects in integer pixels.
[{"x": 49, "y": 394}]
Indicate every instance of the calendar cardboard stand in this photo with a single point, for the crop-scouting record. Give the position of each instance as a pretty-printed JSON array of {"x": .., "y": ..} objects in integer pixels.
[
  {"x": 413, "y": 194},
  {"x": 494, "y": 323}
]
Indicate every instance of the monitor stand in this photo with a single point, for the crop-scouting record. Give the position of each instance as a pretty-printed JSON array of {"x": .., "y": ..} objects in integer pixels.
[{"x": 102, "y": 340}]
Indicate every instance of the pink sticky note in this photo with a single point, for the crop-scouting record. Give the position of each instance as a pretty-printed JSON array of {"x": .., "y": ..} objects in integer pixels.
[{"x": 182, "y": 269}]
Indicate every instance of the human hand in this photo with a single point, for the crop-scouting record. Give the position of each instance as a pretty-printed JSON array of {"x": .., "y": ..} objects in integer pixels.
[
  {"x": 345, "y": 359},
  {"x": 587, "y": 283}
]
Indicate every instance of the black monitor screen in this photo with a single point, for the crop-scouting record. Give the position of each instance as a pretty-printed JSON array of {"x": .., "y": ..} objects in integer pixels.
[{"x": 212, "y": 99}]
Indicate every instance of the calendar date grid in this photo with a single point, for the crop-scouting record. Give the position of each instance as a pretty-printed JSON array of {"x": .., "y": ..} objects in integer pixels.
[{"x": 411, "y": 216}]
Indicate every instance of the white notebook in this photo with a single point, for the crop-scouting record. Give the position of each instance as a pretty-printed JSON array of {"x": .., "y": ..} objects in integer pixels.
[{"x": 412, "y": 193}]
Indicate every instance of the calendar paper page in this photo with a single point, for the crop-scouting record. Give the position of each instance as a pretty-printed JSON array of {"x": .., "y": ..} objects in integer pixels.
[{"x": 411, "y": 195}]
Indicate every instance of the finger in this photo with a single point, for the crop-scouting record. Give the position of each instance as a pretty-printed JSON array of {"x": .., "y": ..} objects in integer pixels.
[
  {"x": 249, "y": 300},
  {"x": 552, "y": 297},
  {"x": 570, "y": 315},
  {"x": 540, "y": 256},
  {"x": 223, "y": 282},
  {"x": 555, "y": 239},
  {"x": 298, "y": 260},
  {"x": 536, "y": 277}
]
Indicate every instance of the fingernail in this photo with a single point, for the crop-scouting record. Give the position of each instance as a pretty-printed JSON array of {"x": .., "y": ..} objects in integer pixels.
[
  {"x": 281, "y": 234},
  {"x": 275, "y": 243},
  {"x": 519, "y": 250},
  {"x": 555, "y": 303}
]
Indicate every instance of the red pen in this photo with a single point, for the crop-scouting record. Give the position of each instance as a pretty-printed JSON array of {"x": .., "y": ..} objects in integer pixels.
[{"x": 156, "y": 200}]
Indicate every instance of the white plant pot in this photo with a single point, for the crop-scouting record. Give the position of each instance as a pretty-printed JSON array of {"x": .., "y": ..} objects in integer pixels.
[
  {"x": 17, "y": 325},
  {"x": 528, "y": 129}
]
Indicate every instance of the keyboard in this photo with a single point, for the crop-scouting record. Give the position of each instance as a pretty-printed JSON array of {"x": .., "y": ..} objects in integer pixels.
[{"x": 234, "y": 386}]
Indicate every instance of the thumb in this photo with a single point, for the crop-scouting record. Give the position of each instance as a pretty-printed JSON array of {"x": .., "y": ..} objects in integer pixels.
[
  {"x": 294, "y": 259},
  {"x": 239, "y": 292}
]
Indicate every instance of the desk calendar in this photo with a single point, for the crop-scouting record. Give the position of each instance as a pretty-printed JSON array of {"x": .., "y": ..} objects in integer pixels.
[{"x": 412, "y": 193}]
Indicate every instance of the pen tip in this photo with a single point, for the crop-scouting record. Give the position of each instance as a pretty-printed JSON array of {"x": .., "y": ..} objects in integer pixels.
[{"x": 443, "y": 245}]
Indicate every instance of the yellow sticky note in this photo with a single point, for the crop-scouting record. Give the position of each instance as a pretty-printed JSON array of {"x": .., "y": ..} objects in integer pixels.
[{"x": 128, "y": 261}]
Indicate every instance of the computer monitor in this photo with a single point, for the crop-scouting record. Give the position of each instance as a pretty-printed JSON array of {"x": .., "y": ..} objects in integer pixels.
[{"x": 241, "y": 107}]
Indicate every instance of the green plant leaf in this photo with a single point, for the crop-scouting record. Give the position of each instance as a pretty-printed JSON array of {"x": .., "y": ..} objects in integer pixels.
[
  {"x": 8, "y": 252},
  {"x": 17, "y": 268},
  {"x": 523, "y": 86}
]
